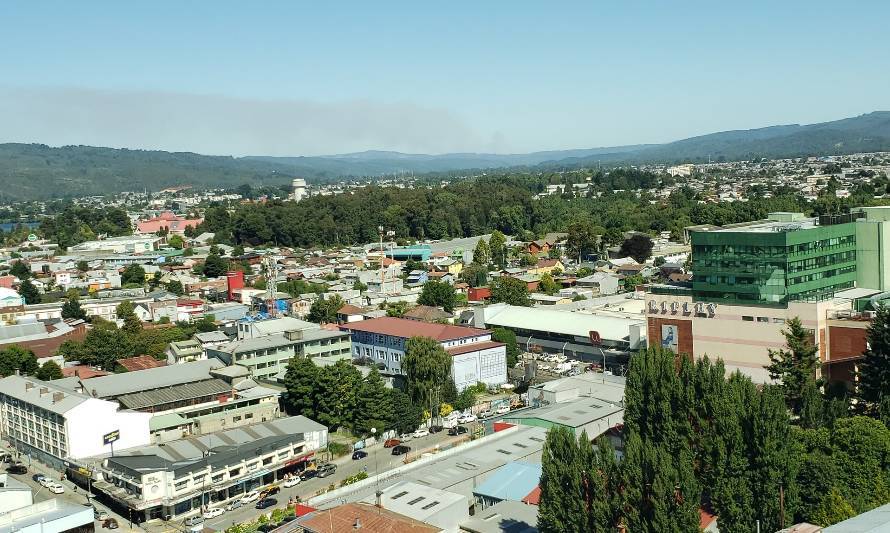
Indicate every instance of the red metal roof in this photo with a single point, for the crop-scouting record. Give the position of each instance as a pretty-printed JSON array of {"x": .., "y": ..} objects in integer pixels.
[
  {"x": 533, "y": 497},
  {"x": 140, "y": 362},
  {"x": 473, "y": 347},
  {"x": 402, "y": 327}
]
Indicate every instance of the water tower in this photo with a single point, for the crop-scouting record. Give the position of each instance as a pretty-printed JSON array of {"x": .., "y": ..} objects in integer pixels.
[{"x": 299, "y": 189}]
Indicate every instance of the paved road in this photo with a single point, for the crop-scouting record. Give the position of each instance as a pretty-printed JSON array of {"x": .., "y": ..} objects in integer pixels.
[
  {"x": 77, "y": 497},
  {"x": 379, "y": 459}
]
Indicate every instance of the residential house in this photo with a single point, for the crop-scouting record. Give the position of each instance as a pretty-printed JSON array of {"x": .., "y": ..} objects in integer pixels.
[
  {"x": 168, "y": 222},
  {"x": 186, "y": 351},
  {"x": 417, "y": 277},
  {"x": 603, "y": 283},
  {"x": 546, "y": 266}
]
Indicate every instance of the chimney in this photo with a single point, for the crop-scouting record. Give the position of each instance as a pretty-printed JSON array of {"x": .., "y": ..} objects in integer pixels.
[
  {"x": 379, "y": 499},
  {"x": 43, "y": 390},
  {"x": 57, "y": 397},
  {"x": 28, "y": 384},
  {"x": 295, "y": 335}
]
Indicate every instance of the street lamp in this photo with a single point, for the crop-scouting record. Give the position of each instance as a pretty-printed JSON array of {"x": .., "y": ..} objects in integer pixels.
[{"x": 377, "y": 492}]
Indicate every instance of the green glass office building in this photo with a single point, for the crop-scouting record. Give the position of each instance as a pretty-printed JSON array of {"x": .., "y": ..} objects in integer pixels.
[{"x": 771, "y": 262}]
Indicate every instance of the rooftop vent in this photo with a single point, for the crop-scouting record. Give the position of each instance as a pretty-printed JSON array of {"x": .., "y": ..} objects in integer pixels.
[
  {"x": 57, "y": 397},
  {"x": 43, "y": 390}
]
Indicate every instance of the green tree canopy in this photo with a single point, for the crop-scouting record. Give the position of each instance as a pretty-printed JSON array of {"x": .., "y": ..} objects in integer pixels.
[
  {"x": 72, "y": 309},
  {"x": 29, "y": 292},
  {"x": 49, "y": 371},
  {"x": 638, "y": 246},
  {"x": 133, "y": 275},
  {"x": 15, "y": 358},
  {"x": 796, "y": 366},
  {"x": 324, "y": 310},
  {"x": 438, "y": 294},
  {"x": 873, "y": 377},
  {"x": 427, "y": 366},
  {"x": 509, "y": 290}
]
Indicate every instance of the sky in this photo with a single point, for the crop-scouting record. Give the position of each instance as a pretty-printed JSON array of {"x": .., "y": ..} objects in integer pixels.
[{"x": 309, "y": 78}]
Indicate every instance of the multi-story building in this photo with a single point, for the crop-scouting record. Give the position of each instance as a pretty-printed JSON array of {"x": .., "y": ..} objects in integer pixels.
[
  {"x": 751, "y": 279},
  {"x": 785, "y": 258},
  {"x": 475, "y": 357},
  {"x": 177, "y": 478},
  {"x": 186, "y": 399},
  {"x": 52, "y": 423}
]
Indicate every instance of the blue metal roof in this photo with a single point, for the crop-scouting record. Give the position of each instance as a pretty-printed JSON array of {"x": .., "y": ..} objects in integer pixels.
[{"x": 513, "y": 481}]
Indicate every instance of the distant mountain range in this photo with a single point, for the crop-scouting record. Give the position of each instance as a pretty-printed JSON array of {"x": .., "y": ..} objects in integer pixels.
[{"x": 33, "y": 171}]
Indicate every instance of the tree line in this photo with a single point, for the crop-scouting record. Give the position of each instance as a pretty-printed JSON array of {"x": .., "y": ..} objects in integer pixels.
[{"x": 697, "y": 439}]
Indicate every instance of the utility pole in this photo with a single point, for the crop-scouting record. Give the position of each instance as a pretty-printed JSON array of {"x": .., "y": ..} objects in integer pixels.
[{"x": 781, "y": 505}]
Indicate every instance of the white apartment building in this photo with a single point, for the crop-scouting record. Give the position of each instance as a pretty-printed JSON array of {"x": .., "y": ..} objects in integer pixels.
[{"x": 52, "y": 424}]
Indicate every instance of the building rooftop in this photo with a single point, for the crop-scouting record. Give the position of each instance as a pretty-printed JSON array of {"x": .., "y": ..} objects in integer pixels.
[
  {"x": 513, "y": 481},
  {"x": 140, "y": 362},
  {"x": 152, "y": 378},
  {"x": 874, "y": 521},
  {"x": 362, "y": 517},
  {"x": 575, "y": 413},
  {"x": 48, "y": 515},
  {"x": 504, "y": 517},
  {"x": 176, "y": 393},
  {"x": 277, "y": 340},
  {"x": 558, "y": 321},
  {"x": 43, "y": 394},
  {"x": 473, "y": 347},
  {"x": 402, "y": 327},
  {"x": 417, "y": 501}
]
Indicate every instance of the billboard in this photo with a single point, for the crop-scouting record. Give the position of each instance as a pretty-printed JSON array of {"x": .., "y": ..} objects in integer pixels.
[
  {"x": 670, "y": 337},
  {"x": 109, "y": 438}
]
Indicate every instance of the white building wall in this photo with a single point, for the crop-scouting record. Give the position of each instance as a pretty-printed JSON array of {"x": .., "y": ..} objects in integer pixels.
[
  {"x": 89, "y": 421},
  {"x": 488, "y": 366}
]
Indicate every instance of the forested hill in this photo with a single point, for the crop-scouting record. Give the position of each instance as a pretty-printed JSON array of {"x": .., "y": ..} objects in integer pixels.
[{"x": 33, "y": 171}]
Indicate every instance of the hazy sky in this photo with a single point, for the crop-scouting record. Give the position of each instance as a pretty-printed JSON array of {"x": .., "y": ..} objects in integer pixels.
[{"x": 306, "y": 78}]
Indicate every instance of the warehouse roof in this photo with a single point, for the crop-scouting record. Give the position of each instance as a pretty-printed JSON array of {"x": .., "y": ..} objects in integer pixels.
[
  {"x": 513, "y": 481},
  {"x": 574, "y": 414},
  {"x": 504, "y": 517},
  {"x": 277, "y": 340},
  {"x": 152, "y": 378},
  {"x": 43, "y": 394},
  {"x": 564, "y": 322},
  {"x": 175, "y": 393},
  {"x": 402, "y": 327}
]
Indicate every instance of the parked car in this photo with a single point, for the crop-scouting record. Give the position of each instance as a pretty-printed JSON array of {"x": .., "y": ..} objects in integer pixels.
[
  {"x": 251, "y": 496},
  {"x": 213, "y": 513},
  {"x": 45, "y": 481},
  {"x": 55, "y": 488},
  {"x": 271, "y": 491},
  {"x": 421, "y": 432},
  {"x": 234, "y": 505},
  {"x": 436, "y": 429},
  {"x": 17, "y": 469},
  {"x": 309, "y": 473},
  {"x": 359, "y": 454},
  {"x": 405, "y": 437},
  {"x": 267, "y": 527},
  {"x": 458, "y": 430},
  {"x": 467, "y": 418},
  {"x": 401, "y": 449},
  {"x": 486, "y": 414},
  {"x": 391, "y": 442},
  {"x": 265, "y": 503},
  {"x": 100, "y": 514},
  {"x": 326, "y": 469},
  {"x": 502, "y": 410},
  {"x": 291, "y": 482},
  {"x": 193, "y": 520},
  {"x": 110, "y": 523}
]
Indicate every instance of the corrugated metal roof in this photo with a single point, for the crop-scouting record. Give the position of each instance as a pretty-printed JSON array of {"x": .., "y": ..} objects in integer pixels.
[
  {"x": 513, "y": 481},
  {"x": 176, "y": 393},
  {"x": 152, "y": 378}
]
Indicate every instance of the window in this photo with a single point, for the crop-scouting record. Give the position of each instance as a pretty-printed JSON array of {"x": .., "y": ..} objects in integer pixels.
[
  {"x": 179, "y": 485},
  {"x": 267, "y": 461},
  {"x": 763, "y": 319},
  {"x": 748, "y": 318},
  {"x": 778, "y": 321}
]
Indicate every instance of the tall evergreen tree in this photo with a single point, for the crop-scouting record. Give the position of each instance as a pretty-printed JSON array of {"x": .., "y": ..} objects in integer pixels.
[
  {"x": 796, "y": 366},
  {"x": 482, "y": 253},
  {"x": 29, "y": 292},
  {"x": 873, "y": 377},
  {"x": 427, "y": 367},
  {"x": 72, "y": 309},
  {"x": 561, "y": 507},
  {"x": 374, "y": 405}
]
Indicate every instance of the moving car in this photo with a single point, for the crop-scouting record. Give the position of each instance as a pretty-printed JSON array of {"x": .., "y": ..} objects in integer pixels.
[
  {"x": 234, "y": 505},
  {"x": 391, "y": 442},
  {"x": 55, "y": 488},
  {"x": 326, "y": 469},
  {"x": 401, "y": 449},
  {"x": 17, "y": 469},
  {"x": 458, "y": 430},
  {"x": 38, "y": 477},
  {"x": 45, "y": 481},
  {"x": 193, "y": 520},
  {"x": 421, "y": 432},
  {"x": 467, "y": 418},
  {"x": 271, "y": 491},
  {"x": 502, "y": 410},
  {"x": 405, "y": 437},
  {"x": 359, "y": 454},
  {"x": 266, "y": 503},
  {"x": 251, "y": 496},
  {"x": 213, "y": 513},
  {"x": 109, "y": 523},
  {"x": 291, "y": 482},
  {"x": 308, "y": 474},
  {"x": 100, "y": 514},
  {"x": 486, "y": 414}
]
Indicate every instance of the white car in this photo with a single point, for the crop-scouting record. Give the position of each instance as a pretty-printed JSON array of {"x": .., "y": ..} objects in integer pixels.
[
  {"x": 55, "y": 488},
  {"x": 46, "y": 482},
  {"x": 421, "y": 432},
  {"x": 502, "y": 410},
  {"x": 467, "y": 418},
  {"x": 292, "y": 482},
  {"x": 213, "y": 513},
  {"x": 251, "y": 496},
  {"x": 405, "y": 437}
]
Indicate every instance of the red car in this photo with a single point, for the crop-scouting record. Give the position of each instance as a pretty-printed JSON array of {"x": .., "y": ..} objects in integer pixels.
[{"x": 391, "y": 442}]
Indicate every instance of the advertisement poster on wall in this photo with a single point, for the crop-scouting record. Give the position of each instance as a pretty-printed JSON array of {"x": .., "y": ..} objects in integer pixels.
[{"x": 670, "y": 339}]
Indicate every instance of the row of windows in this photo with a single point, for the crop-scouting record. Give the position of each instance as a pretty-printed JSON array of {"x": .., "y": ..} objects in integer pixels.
[
  {"x": 822, "y": 275},
  {"x": 763, "y": 319},
  {"x": 821, "y": 261}
]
